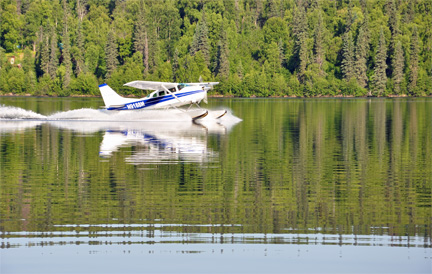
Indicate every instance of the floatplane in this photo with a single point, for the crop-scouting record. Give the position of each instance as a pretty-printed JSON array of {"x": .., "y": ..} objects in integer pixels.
[{"x": 164, "y": 95}]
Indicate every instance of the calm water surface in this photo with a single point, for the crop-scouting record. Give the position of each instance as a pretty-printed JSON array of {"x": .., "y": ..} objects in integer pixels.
[{"x": 277, "y": 186}]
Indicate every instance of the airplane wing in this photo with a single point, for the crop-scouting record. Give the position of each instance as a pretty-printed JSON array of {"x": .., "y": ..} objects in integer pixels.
[{"x": 151, "y": 85}]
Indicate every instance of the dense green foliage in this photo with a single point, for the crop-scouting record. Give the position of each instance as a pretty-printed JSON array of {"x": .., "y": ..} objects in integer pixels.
[{"x": 253, "y": 47}]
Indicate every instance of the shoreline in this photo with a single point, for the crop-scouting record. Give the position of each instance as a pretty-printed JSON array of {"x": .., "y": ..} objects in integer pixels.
[{"x": 226, "y": 96}]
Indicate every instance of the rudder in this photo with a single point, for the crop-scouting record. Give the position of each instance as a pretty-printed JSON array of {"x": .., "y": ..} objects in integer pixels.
[{"x": 111, "y": 98}]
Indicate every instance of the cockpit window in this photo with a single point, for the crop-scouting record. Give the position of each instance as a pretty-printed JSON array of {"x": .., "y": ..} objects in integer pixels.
[{"x": 156, "y": 94}]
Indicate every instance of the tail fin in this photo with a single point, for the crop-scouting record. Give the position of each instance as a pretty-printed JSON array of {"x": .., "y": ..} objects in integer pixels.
[{"x": 111, "y": 98}]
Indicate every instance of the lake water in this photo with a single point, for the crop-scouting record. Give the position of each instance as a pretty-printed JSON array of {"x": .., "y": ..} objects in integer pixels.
[{"x": 275, "y": 186}]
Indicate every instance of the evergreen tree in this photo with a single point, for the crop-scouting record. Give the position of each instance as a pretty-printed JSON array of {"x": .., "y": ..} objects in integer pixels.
[
  {"x": 175, "y": 64},
  {"x": 53, "y": 60},
  {"x": 240, "y": 70},
  {"x": 393, "y": 19},
  {"x": 348, "y": 57},
  {"x": 273, "y": 9},
  {"x": 141, "y": 43},
  {"x": 393, "y": 24},
  {"x": 409, "y": 12},
  {"x": 303, "y": 55},
  {"x": 1, "y": 19},
  {"x": 380, "y": 77},
  {"x": 185, "y": 70},
  {"x": 152, "y": 48},
  {"x": 318, "y": 43},
  {"x": 79, "y": 57},
  {"x": 414, "y": 60},
  {"x": 299, "y": 25},
  {"x": 347, "y": 67},
  {"x": 171, "y": 26},
  {"x": 281, "y": 52},
  {"x": 430, "y": 74},
  {"x": 362, "y": 49},
  {"x": 398, "y": 67},
  {"x": 146, "y": 54},
  {"x": 1, "y": 63},
  {"x": 200, "y": 39},
  {"x": 28, "y": 64},
  {"x": 363, "y": 4},
  {"x": 222, "y": 62},
  {"x": 111, "y": 54},
  {"x": 81, "y": 9},
  {"x": 66, "y": 49},
  {"x": 350, "y": 17},
  {"x": 45, "y": 54},
  {"x": 273, "y": 61},
  {"x": 300, "y": 35},
  {"x": 258, "y": 11}
]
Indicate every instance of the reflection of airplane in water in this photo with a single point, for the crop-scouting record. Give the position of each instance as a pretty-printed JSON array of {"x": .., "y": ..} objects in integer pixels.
[
  {"x": 159, "y": 143},
  {"x": 152, "y": 142},
  {"x": 158, "y": 147}
]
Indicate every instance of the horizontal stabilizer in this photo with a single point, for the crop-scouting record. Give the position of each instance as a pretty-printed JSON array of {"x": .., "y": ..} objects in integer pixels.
[{"x": 116, "y": 106}]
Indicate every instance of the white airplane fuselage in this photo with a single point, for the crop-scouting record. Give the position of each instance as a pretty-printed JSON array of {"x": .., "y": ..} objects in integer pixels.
[{"x": 160, "y": 99}]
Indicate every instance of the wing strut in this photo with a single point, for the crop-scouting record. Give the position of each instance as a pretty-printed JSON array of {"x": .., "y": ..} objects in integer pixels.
[{"x": 167, "y": 90}]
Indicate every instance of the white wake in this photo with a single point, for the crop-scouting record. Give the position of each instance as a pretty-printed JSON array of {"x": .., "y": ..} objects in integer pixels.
[
  {"x": 16, "y": 113},
  {"x": 9, "y": 113},
  {"x": 88, "y": 114}
]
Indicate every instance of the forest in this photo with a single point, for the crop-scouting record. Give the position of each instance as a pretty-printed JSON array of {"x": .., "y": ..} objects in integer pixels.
[{"x": 254, "y": 48}]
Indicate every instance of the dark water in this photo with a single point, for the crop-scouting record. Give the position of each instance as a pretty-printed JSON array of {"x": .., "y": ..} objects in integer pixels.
[{"x": 276, "y": 186}]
